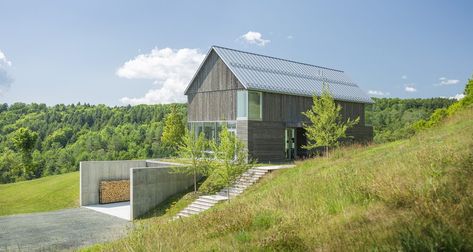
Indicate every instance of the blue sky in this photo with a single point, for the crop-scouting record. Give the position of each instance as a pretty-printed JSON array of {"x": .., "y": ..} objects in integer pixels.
[{"x": 130, "y": 52}]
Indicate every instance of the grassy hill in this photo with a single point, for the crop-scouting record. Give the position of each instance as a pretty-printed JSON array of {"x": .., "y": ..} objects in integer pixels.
[
  {"x": 414, "y": 194},
  {"x": 39, "y": 195}
]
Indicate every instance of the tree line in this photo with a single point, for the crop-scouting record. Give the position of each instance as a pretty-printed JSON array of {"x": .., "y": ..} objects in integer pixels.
[
  {"x": 393, "y": 118},
  {"x": 37, "y": 140}
]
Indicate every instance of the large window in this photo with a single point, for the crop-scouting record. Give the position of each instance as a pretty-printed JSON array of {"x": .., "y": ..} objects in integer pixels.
[
  {"x": 249, "y": 105},
  {"x": 211, "y": 130}
]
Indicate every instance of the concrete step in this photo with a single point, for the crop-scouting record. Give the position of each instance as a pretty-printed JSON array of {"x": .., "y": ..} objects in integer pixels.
[
  {"x": 213, "y": 197},
  {"x": 195, "y": 209},
  {"x": 231, "y": 193},
  {"x": 201, "y": 206},
  {"x": 249, "y": 178},
  {"x": 245, "y": 183},
  {"x": 257, "y": 171},
  {"x": 189, "y": 211},
  {"x": 254, "y": 173},
  {"x": 232, "y": 190},
  {"x": 263, "y": 168},
  {"x": 241, "y": 186},
  {"x": 224, "y": 193},
  {"x": 204, "y": 203},
  {"x": 207, "y": 201}
]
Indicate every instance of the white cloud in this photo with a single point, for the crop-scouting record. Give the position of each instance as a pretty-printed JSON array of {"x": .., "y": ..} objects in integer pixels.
[
  {"x": 4, "y": 60},
  {"x": 290, "y": 37},
  {"x": 410, "y": 88},
  {"x": 457, "y": 97},
  {"x": 377, "y": 93},
  {"x": 5, "y": 78},
  {"x": 256, "y": 38},
  {"x": 446, "y": 82},
  {"x": 404, "y": 77},
  {"x": 170, "y": 69}
]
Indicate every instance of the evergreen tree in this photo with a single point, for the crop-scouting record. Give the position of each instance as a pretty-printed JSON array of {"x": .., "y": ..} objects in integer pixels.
[{"x": 326, "y": 126}]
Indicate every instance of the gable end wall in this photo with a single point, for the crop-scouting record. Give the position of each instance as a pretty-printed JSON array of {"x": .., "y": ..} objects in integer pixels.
[{"x": 212, "y": 94}]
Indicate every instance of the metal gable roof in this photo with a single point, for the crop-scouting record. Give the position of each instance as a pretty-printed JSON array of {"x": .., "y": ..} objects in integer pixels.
[{"x": 269, "y": 74}]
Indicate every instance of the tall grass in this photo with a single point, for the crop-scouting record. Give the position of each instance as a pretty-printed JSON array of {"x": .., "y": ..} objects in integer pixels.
[{"x": 414, "y": 194}]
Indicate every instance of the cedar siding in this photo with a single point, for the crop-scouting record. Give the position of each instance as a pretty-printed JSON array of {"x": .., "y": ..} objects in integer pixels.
[
  {"x": 212, "y": 97},
  {"x": 212, "y": 94}
]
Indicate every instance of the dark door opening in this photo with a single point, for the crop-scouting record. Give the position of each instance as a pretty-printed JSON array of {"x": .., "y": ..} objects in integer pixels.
[
  {"x": 301, "y": 141},
  {"x": 295, "y": 140}
]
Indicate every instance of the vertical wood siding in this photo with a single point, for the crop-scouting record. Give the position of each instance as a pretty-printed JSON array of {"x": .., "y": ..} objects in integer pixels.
[
  {"x": 212, "y": 94},
  {"x": 289, "y": 108},
  {"x": 266, "y": 141},
  {"x": 212, "y": 106}
]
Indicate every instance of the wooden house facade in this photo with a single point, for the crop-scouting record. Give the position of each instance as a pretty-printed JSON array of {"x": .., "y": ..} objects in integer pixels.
[{"x": 261, "y": 100}]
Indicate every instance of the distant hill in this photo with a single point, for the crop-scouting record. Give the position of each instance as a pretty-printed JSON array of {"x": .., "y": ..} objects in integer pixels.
[
  {"x": 392, "y": 118},
  {"x": 63, "y": 135},
  {"x": 53, "y": 140}
]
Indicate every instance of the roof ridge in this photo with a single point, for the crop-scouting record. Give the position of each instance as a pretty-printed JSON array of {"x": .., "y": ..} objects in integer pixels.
[{"x": 267, "y": 56}]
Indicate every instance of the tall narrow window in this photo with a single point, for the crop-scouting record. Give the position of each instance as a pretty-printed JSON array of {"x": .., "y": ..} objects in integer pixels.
[
  {"x": 254, "y": 105},
  {"x": 242, "y": 104}
]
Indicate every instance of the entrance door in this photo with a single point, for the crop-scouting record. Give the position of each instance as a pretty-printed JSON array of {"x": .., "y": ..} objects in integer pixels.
[{"x": 290, "y": 143}]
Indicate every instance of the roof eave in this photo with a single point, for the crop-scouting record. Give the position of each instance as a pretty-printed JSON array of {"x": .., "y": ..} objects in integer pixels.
[
  {"x": 304, "y": 95},
  {"x": 198, "y": 70}
]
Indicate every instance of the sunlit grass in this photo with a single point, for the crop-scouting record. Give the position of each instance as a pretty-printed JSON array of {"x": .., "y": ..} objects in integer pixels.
[
  {"x": 414, "y": 194},
  {"x": 40, "y": 195}
]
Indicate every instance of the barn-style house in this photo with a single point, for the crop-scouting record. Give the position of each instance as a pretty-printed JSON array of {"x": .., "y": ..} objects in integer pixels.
[{"x": 261, "y": 99}]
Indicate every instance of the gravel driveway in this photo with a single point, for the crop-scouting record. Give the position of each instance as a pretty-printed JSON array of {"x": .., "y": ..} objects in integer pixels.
[{"x": 59, "y": 230}]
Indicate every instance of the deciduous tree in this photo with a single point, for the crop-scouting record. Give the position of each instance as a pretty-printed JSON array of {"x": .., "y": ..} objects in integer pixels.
[
  {"x": 326, "y": 126},
  {"x": 193, "y": 148},
  {"x": 231, "y": 157},
  {"x": 174, "y": 129}
]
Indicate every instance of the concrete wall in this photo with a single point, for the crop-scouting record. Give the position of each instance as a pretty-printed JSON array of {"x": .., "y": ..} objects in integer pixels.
[
  {"x": 92, "y": 172},
  {"x": 151, "y": 186}
]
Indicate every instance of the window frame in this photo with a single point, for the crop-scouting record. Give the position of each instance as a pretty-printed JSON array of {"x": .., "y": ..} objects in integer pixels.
[{"x": 245, "y": 94}]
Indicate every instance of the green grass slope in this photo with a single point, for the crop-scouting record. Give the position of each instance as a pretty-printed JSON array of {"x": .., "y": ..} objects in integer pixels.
[
  {"x": 40, "y": 195},
  {"x": 415, "y": 194}
]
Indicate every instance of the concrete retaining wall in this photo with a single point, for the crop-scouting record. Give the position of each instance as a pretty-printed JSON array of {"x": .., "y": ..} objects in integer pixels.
[
  {"x": 151, "y": 186},
  {"x": 92, "y": 172}
]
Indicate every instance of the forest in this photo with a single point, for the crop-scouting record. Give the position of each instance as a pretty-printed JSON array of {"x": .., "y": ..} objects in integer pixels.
[
  {"x": 393, "y": 118},
  {"x": 38, "y": 140}
]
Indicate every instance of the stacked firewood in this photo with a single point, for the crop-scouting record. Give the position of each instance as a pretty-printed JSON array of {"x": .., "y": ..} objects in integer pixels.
[{"x": 114, "y": 191}]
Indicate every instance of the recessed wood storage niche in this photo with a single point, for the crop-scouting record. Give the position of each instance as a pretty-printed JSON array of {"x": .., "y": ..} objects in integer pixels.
[{"x": 111, "y": 191}]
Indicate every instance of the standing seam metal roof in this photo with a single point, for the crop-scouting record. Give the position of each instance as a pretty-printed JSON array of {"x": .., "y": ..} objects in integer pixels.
[{"x": 270, "y": 74}]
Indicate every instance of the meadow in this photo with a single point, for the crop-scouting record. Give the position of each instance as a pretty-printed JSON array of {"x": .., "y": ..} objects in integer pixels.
[{"x": 414, "y": 194}]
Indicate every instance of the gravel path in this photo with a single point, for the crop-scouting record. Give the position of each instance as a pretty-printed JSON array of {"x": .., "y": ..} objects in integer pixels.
[{"x": 59, "y": 230}]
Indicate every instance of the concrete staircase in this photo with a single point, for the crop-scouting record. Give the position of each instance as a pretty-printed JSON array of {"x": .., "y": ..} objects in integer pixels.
[{"x": 244, "y": 181}]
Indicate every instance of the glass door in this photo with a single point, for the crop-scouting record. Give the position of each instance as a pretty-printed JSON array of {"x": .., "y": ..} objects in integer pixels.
[{"x": 290, "y": 143}]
